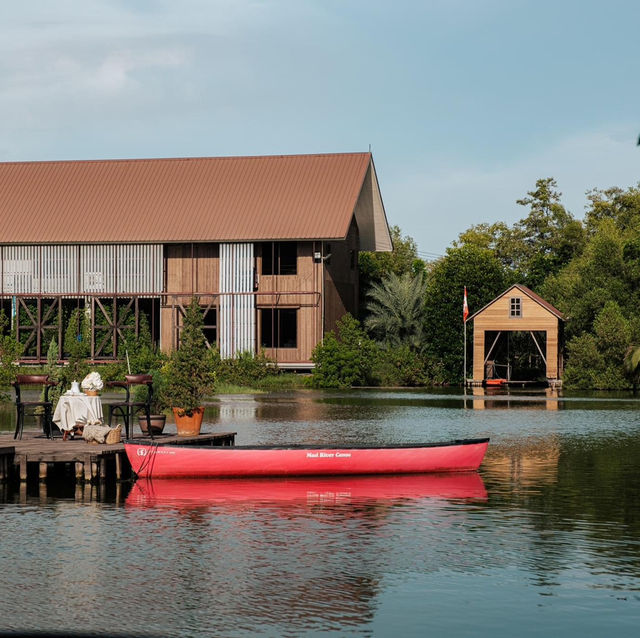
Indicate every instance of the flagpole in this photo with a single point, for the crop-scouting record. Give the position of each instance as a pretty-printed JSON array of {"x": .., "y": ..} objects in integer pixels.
[
  {"x": 465, "y": 354},
  {"x": 465, "y": 314}
]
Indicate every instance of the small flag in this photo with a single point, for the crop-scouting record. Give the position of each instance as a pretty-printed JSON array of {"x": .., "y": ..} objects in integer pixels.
[{"x": 465, "y": 306}]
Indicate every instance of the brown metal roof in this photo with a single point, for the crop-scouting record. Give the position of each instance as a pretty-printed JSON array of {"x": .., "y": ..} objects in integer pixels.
[
  {"x": 175, "y": 200},
  {"x": 527, "y": 291}
]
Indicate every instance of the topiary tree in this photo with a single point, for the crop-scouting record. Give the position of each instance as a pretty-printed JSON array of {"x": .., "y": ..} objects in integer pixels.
[
  {"x": 10, "y": 350},
  {"x": 77, "y": 347},
  {"x": 189, "y": 371}
]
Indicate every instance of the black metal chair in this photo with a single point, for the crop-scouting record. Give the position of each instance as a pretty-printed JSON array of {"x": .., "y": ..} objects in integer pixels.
[
  {"x": 42, "y": 407},
  {"x": 128, "y": 408}
]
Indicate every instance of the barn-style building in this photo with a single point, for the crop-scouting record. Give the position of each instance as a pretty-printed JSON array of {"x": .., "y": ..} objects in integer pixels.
[{"x": 269, "y": 245}]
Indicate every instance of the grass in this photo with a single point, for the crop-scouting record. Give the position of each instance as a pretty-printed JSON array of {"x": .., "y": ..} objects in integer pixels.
[{"x": 270, "y": 383}]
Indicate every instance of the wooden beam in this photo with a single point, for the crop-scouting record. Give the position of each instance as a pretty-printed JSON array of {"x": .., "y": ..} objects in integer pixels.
[
  {"x": 539, "y": 348},
  {"x": 492, "y": 347}
]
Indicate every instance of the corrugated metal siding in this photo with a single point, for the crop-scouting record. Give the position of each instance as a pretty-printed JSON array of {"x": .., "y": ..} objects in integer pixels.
[
  {"x": 20, "y": 265},
  {"x": 237, "y": 319},
  {"x": 232, "y": 199},
  {"x": 98, "y": 268},
  {"x": 47, "y": 269},
  {"x": 58, "y": 269}
]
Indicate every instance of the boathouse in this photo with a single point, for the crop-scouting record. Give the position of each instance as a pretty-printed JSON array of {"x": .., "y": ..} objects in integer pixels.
[
  {"x": 519, "y": 311},
  {"x": 269, "y": 245}
]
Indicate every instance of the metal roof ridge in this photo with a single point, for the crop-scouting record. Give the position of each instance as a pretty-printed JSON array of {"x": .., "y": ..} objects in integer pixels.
[{"x": 183, "y": 159}]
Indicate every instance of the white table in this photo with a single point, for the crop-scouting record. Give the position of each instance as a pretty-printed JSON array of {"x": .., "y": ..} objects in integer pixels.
[{"x": 79, "y": 409}]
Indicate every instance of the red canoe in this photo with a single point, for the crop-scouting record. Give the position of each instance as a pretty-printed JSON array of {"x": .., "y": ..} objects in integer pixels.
[
  {"x": 168, "y": 460},
  {"x": 305, "y": 490}
]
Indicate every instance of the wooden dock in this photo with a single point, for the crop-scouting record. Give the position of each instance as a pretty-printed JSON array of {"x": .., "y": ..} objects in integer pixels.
[{"x": 91, "y": 463}]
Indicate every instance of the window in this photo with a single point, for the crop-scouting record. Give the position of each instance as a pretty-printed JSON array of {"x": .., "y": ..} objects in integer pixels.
[
  {"x": 210, "y": 326},
  {"x": 515, "y": 307},
  {"x": 279, "y": 327},
  {"x": 280, "y": 258}
]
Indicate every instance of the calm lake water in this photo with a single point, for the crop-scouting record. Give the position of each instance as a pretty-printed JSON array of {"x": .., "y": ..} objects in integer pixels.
[{"x": 544, "y": 540}]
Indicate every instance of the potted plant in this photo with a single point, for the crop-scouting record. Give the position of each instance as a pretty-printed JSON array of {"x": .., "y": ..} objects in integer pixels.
[
  {"x": 189, "y": 374},
  {"x": 157, "y": 418}
]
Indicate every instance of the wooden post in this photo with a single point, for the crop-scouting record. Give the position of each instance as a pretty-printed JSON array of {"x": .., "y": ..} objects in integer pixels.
[
  {"x": 42, "y": 474},
  {"x": 23, "y": 467}
]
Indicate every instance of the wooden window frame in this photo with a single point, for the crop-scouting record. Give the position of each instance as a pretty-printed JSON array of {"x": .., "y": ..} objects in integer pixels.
[
  {"x": 273, "y": 338},
  {"x": 274, "y": 264}
]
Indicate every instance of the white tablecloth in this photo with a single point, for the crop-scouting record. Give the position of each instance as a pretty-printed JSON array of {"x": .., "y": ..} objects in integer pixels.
[{"x": 77, "y": 408}]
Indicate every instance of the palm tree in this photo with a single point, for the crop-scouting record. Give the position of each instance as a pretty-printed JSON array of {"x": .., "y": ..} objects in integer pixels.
[{"x": 396, "y": 310}]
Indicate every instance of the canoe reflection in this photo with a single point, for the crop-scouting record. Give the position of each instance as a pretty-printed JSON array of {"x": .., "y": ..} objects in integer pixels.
[{"x": 198, "y": 492}]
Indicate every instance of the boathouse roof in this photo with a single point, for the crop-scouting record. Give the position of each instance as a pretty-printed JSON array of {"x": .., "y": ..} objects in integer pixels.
[
  {"x": 529, "y": 293},
  {"x": 207, "y": 199}
]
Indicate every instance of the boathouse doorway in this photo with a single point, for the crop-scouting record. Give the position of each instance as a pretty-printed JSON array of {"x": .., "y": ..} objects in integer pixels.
[{"x": 515, "y": 356}]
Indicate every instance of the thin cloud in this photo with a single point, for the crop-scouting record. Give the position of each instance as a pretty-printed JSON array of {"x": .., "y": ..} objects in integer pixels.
[{"x": 435, "y": 208}]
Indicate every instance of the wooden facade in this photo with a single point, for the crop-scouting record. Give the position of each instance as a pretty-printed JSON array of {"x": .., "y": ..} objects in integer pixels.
[
  {"x": 518, "y": 309},
  {"x": 323, "y": 288}
]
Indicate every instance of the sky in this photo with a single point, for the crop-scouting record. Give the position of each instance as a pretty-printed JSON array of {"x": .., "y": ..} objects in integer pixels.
[{"x": 463, "y": 103}]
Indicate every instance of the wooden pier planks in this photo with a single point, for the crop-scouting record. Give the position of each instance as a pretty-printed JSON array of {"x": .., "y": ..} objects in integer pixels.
[{"x": 91, "y": 462}]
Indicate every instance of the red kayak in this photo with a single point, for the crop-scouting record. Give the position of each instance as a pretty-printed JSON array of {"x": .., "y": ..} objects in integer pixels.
[
  {"x": 305, "y": 490},
  {"x": 172, "y": 460}
]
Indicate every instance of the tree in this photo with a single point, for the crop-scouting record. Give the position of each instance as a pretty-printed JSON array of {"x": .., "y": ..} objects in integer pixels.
[
  {"x": 402, "y": 259},
  {"x": 77, "y": 346},
  {"x": 484, "y": 276},
  {"x": 539, "y": 244},
  {"x": 395, "y": 311},
  {"x": 345, "y": 358},
  {"x": 598, "y": 360},
  {"x": 622, "y": 207},
  {"x": 10, "y": 351},
  {"x": 189, "y": 372},
  {"x": 607, "y": 270}
]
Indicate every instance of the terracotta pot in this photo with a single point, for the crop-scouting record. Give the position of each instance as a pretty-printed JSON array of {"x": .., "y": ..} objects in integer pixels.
[
  {"x": 188, "y": 425},
  {"x": 157, "y": 423}
]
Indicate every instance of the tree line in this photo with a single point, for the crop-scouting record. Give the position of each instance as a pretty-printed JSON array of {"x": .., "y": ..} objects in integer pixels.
[{"x": 410, "y": 332}]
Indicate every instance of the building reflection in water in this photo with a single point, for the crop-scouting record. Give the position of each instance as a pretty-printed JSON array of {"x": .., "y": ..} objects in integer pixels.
[
  {"x": 500, "y": 398},
  {"x": 523, "y": 463}
]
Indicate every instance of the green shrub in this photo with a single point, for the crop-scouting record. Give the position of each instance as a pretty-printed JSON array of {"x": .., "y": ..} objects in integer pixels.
[
  {"x": 245, "y": 369},
  {"x": 345, "y": 359},
  {"x": 402, "y": 366}
]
